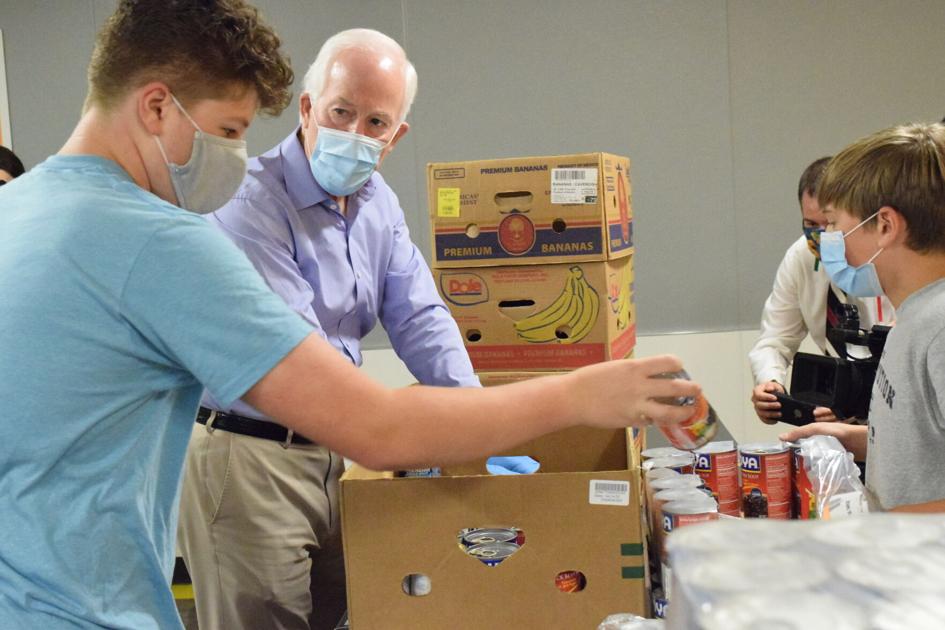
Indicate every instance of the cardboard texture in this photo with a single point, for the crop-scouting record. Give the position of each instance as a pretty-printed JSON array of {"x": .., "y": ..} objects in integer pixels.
[
  {"x": 568, "y": 208},
  {"x": 542, "y": 317},
  {"x": 491, "y": 379},
  {"x": 394, "y": 527}
]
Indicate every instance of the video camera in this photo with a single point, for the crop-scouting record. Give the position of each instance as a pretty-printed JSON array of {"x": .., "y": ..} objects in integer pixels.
[{"x": 844, "y": 383}]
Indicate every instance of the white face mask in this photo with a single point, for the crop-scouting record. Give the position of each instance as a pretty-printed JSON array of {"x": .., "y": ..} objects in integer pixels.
[{"x": 213, "y": 174}]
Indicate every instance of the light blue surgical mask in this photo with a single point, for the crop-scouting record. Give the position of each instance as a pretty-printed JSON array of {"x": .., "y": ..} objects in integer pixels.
[
  {"x": 343, "y": 161},
  {"x": 859, "y": 281}
]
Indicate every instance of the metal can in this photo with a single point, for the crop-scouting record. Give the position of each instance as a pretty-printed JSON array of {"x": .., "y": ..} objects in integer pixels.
[
  {"x": 660, "y": 604},
  {"x": 420, "y": 472},
  {"x": 766, "y": 480},
  {"x": 491, "y": 554},
  {"x": 570, "y": 581},
  {"x": 687, "y": 511},
  {"x": 680, "y": 463},
  {"x": 717, "y": 466},
  {"x": 803, "y": 499},
  {"x": 677, "y": 481},
  {"x": 485, "y": 535},
  {"x": 701, "y": 425},
  {"x": 660, "y": 451}
]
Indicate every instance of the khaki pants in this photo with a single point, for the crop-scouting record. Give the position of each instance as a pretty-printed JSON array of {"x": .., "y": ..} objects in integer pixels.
[{"x": 260, "y": 533}]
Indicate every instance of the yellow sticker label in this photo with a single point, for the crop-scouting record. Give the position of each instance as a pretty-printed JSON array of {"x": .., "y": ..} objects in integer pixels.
[{"x": 447, "y": 202}]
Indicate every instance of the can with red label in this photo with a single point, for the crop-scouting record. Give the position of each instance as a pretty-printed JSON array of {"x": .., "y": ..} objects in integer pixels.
[
  {"x": 717, "y": 465},
  {"x": 803, "y": 498},
  {"x": 701, "y": 425},
  {"x": 684, "y": 512},
  {"x": 767, "y": 477}
]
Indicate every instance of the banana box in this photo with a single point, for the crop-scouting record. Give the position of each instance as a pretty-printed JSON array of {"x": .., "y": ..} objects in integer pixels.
[
  {"x": 536, "y": 210},
  {"x": 543, "y": 317}
]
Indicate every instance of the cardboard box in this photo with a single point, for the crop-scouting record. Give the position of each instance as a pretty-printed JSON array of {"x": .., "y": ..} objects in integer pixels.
[
  {"x": 394, "y": 527},
  {"x": 542, "y": 317},
  {"x": 491, "y": 379},
  {"x": 567, "y": 208}
]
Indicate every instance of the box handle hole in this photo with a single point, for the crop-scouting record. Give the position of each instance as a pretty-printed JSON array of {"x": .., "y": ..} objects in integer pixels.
[
  {"x": 514, "y": 199},
  {"x": 559, "y": 225},
  {"x": 570, "y": 581},
  {"x": 472, "y": 230},
  {"x": 416, "y": 585},
  {"x": 473, "y": 335}
]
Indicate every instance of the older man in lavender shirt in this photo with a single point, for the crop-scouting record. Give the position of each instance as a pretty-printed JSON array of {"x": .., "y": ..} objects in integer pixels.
[{"x": 260, "y": 514}]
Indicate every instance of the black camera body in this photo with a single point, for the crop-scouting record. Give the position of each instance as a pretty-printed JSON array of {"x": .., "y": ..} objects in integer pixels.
[{"x": 844, "y": 383}]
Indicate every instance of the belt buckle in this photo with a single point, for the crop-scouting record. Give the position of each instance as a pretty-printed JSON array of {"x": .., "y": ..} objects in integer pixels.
[
  {"x": 210, "y": 420},
  {"x": 288, "y": 438}
]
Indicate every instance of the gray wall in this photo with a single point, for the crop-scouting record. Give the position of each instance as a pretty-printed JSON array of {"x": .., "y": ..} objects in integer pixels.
[{"x": 719, "y": 104}]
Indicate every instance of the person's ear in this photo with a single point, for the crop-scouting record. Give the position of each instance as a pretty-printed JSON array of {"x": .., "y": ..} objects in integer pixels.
[
  {"x": 891, "y": 227},
  {"x": 400, "y": 133},
  {"x": 306, "y": 108},
  {"x": 153, "y": 101}
]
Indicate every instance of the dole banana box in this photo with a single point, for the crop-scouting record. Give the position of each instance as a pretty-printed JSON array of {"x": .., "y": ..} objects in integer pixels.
[
  {"x": 542, "y": 317},
  {"x": 534, "y": 210},
  {"x": 579, "y": 513}
]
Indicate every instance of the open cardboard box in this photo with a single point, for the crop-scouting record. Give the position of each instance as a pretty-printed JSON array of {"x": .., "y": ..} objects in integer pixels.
[{"x": 581, "y": 512}]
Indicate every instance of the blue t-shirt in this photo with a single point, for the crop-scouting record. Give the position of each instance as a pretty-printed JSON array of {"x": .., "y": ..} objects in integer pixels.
[{"x": 116, "y": 308}]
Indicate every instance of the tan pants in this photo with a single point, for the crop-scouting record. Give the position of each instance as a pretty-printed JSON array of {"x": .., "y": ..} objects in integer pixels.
[{"x": 260, "y": 533}]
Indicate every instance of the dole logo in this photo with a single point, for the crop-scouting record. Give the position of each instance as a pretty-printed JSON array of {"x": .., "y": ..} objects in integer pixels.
[
  {"x": 463, "y": 288},
  {"x": 667, "y": 523},
  {"x": 750, "y": 463},
  {"x": 703, "y": 462}
]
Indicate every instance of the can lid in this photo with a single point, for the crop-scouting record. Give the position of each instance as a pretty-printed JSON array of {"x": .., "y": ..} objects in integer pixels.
[
  {"x": 763, "y": 448},
  {"x": 683, "y": 459},
  {"x": 678, "y": 494},
  {"x": 661, "y": 473},
  {"x": 694, "y": 505},
  {"x": 677, "y": 481},
  {"x": 661, "y": 451}
]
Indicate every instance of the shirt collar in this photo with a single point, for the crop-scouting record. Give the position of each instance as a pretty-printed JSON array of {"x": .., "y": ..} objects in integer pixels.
[{"x": 303, "y": 190}]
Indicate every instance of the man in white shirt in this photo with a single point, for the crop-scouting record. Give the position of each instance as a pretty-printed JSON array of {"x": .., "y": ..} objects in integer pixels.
[{"x": 802, "y": 302}]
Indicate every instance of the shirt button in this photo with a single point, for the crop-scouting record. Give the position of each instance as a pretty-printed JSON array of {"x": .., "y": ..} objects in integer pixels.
[
  {"x": 333, "y": 207},
  {"x": 358, "y": 275}
]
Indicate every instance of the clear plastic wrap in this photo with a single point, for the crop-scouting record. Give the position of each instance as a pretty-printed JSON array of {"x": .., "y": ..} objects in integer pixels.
[
  {"x": 875, "y": 572},
  {"x": 834, "y": 480},
  {"x": 625, "y": 621}
]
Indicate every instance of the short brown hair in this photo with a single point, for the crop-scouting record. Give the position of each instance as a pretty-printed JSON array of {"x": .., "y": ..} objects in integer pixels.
[
  {"x": 902, "y": 167},
  {"x": 200, "y": 48},
  {"x": 810, "y": 178}
]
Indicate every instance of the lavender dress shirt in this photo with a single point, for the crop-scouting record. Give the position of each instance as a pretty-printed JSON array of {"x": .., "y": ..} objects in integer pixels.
[{"x": 342, "y": 272}]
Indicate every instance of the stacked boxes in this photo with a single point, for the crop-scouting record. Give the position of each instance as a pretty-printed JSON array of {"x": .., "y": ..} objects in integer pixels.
[{"x": 534, "y": 257}]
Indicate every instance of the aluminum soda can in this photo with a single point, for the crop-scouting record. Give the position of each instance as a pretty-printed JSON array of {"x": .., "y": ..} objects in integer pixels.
[
  {"x": 701, "y": 425},
  {"x": 766, "y": 480},
  {"x": 717, "y": 466},
  {"x": 491, "y": 554},
  {"x": 803, "y": 499}
]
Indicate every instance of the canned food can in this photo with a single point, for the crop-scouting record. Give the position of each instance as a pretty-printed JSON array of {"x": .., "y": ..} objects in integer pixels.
[
  {"x": 660, "y": 604},
  {"x": 680, "y": 463},
  {"x": 686, "y": 511},
  {"x": 717, "y": 465},
  {"x": 677, "y": 481},
  {"x": 570, "y": 581},
  {"x": 701, "y": 425},
  {"x": 484, "y": 535},
  {"x": 661, "y": 451},
  {"x": 766, "y": 480},
  {"x": 803, "y": 498},
  {"x": 420, "y": 472},
  {"x": 491, "y": 554},
  {"x": 659, "y": 473}
]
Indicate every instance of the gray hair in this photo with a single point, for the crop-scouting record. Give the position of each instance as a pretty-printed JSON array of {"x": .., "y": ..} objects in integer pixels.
[{"x": 365, "y": 39}]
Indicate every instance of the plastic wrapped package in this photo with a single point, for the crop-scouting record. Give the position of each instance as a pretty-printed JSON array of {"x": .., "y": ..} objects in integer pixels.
[
  {"x": 626, "y": 621},
  {"x": 876, "y": 572},
  {"x": 834, "y": 479}
]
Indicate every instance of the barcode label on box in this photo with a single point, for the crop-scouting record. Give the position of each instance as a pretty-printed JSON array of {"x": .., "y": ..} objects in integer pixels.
[
  {"x": 574, "y": 185},
  {"x": 608, "y": 492}
]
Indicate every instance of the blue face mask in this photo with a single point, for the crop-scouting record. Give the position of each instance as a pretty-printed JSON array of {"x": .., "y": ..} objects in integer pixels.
[
  {"x": 343, "y": 161},
  {"x": 859, "y": 281}
]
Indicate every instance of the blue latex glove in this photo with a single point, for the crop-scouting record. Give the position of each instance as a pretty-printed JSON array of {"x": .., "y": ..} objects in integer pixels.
[{"x": 514, "y": 465}]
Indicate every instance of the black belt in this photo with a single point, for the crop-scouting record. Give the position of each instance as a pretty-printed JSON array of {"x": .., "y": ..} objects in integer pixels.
[{"x": 249, "y": 426}]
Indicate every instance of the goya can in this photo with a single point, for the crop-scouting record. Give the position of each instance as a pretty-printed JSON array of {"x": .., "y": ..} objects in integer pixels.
[
  {"x": 485, "y": 535},
  {"x": 717, "y": 466},
  {"x": 687, "y": 511},
  {"x": 766, "y": 480},
  {"x": 680, "y": 463},
  {"x": 701, "y": 425},
  {"x": 803, "y": 499},
  {"x": 660, "y": 451},
  {"x": 491, "y": 554}
]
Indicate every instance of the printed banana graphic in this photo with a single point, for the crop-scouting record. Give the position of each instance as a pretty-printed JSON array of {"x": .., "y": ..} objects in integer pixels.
[
  {"x": 623, "y": 300},
  {"x": 575, "y": 310}
]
